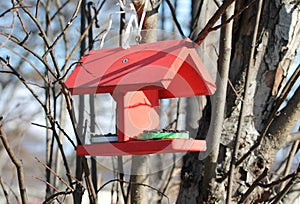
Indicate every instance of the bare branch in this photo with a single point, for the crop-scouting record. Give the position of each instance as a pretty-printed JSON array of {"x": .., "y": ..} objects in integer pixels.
[
  {"x": 83, "y": 35},
  {"x": 169, "y": 178},
  {"x": 25, "y": 59},
  {"x": 237, "y": 14},
  {"x": 65, "y": 134},
  {"x": 293, "y": 137},
  {"x": 47, "y": 183},
  {"x": 288, "y": 187},
  {"x": 10, "y": 34},
  {"x": 18, "y": 42},
  {"x": 218, "y": 104},
  {"x": 212, "y": 21},
  {"x": 4, "y": 191},
  {"x": 18, "y": 164},
  {"x": 64, "y": 30},
  {"x": 6, "y": 63},
  {"x": 44, "y": 37},
  {"x": 285, "y": 121},
  {"x": 62, "y": 25},
  {"x": 277, "y": 182},
  {"x": 46, "y": 109},
  {"x": 55, "y": 174},
  {"x": 22, "y": 23},
  {"x": 254, "y": 185},
  {"x": 54, "y": 196},
  {"x": 59, "y": 9},
  {"x": 142, "y": 184},
  {"x": 173, "y": 12}
]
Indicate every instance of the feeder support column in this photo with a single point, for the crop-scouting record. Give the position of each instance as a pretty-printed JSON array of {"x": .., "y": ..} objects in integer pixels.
[{"x": 137, "y": 111}]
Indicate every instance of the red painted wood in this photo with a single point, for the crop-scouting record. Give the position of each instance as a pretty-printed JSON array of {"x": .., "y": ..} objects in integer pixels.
[
  {"x": 137, "y": 111},
  {"x": 138, "y": 147},
  {"x": 172, "y": 67},
  {"x": 137, "y": 78}
]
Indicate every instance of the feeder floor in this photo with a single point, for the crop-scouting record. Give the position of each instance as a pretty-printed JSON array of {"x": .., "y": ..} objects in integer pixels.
[{"x": 139, "y": 147}]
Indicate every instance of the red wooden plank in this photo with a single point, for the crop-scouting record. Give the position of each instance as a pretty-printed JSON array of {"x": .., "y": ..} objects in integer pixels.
[
  {"x": 152, "y": 65},
  {"x": 138, "y": 147}
]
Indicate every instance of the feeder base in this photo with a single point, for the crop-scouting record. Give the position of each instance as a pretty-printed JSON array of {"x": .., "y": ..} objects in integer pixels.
[{"x": 138, "y": 147}]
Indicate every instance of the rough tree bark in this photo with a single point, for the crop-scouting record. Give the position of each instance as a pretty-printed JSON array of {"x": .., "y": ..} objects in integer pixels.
[
  {"x": 274, "y": 51},
  {"x": 189, "y": 189}
]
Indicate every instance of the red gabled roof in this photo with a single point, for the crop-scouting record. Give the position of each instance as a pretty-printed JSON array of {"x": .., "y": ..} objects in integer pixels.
[{"x": 173, "y": 67}]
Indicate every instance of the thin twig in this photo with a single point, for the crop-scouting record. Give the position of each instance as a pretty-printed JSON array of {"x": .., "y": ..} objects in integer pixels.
[
  {"x": 277, "y": 182},
  {"x": 83, "y": 35},
  {"x": 254, "y": 185},
  {"x": 22, "y": 22},
  {"x": 66, "y": 72},
  {"x": 177, "y": 113},
  {"x": 11, "y": 30},
  {"x": 50, "y": 48},
  {"x": 55, "y": 174},
  {"x": 289, "y": 162},
  {"x": 173, "y": 12},
  {"x": 47, "y": 183},
  {"x": 207, "y": 29},
  {"x": 39, "y": 125},
  {"x": 169, "y": 178},
  {"x": 54, "y": 196},
  {"x": 15, "y": 40},
  {"x": 288, "y": 187},
  {"x": 27, "y": 82},
  {"x": 237, "y": 14},
  {"x": 37, "y": 8},
  {"x": 142, "y": 184},
  {"x": 25, "y": 59},
  {"x": 235, "y": 91},
  {"x": 59, "y": 9},
  {"x": 6, "y": 63},
  {"x": 62, "y": 25},
  {"x": 44, "y": 37},
  {"x": 77, "y": 182},
  {"x": 4, "y": 191},
  {"x": 65, "y": 134},
  {"x": 14, "y": 194}
]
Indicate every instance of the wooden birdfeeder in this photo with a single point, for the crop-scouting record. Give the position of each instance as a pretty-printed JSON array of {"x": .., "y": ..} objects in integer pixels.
[{"x": 137, "y": 78}]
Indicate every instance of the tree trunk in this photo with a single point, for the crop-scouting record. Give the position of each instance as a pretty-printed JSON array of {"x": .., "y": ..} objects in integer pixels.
[
  {"x": 268, "y": 57},
  {"x": 195, "y": 114},
  {"x": 140, "y": 168},
  {"x": 218, "y": 106},
  {"x": 78, "y": 193}
]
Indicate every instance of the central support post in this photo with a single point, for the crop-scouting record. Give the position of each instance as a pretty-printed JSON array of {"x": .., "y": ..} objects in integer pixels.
[{"x": 137, "y": 111}]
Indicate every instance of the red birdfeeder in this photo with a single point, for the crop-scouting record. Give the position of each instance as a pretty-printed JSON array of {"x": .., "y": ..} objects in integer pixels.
[{"x": 137, "y": 78}]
